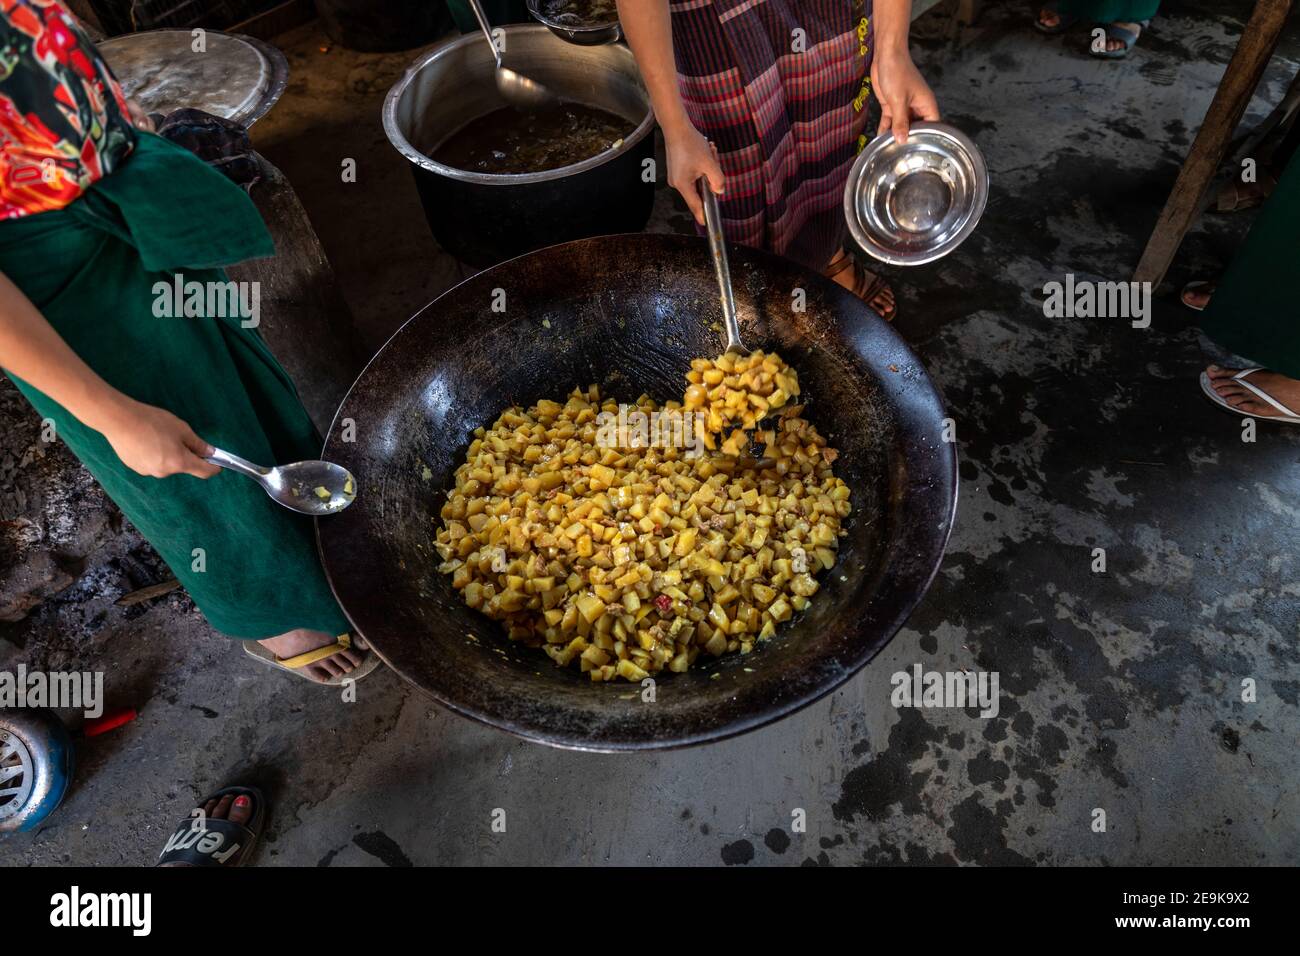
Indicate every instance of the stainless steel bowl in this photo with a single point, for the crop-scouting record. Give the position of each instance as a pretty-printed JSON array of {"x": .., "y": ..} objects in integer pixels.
[
  {"x": 916, "y": 202},
  {"x": 573, "y": 29}
]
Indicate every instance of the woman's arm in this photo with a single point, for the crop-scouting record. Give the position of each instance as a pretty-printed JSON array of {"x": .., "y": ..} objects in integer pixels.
[
  {"x": 149, "y": 440},
  {"x": 648, "y": 29},
  {"x": 902, "y": 92}
]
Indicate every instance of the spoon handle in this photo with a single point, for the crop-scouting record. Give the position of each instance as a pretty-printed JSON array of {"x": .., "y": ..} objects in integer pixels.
[
  {"x": 487, "y": 29},
  {"x": 226, "y": 460},
  {"x": 718, "y": 248}
]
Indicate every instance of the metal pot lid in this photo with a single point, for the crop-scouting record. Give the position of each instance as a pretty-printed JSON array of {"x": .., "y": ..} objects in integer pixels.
[
  {"x": 913, "y": 203},
  {"x": 236, "y": 77}
]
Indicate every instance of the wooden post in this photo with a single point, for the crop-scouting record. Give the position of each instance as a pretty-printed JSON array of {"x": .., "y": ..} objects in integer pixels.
[{"x": 1225, "y": 112}]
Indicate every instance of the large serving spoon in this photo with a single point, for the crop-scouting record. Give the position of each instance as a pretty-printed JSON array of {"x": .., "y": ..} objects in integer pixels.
[
  {"x": 718, "y": 249},
  {"x": 309, "y": 487},
  {"x": 517, "y": 89}
]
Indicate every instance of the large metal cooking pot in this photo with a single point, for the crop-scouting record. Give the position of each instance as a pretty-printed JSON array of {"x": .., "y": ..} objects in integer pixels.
[
  {"x": 629, "y": 313},
  {"x": 483, "y": 218}
]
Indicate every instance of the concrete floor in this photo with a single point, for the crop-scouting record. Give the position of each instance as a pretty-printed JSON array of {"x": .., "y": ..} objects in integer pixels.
[{"x": 1120, "y": 691}]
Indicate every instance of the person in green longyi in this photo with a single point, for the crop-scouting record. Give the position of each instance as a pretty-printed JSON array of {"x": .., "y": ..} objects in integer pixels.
[
  {"x": 1251, "y": 311},
  {"x": 95, "y": 212},
  {"x": 1121, "y": 20}
]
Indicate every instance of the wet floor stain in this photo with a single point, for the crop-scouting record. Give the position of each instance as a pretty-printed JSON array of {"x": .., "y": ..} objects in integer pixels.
[
  {"x": 873, "y": 789},
  {"x": 777, "y": 840},
  {"x": 738, "y": 853},
  {"x": 383, "y": 847}
]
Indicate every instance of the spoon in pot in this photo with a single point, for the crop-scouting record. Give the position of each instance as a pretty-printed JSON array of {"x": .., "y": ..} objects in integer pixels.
[
  {"x": 309, "y": 487},
  {"x": 517, "y": 89},
  {"x": 718, "y": 249}
]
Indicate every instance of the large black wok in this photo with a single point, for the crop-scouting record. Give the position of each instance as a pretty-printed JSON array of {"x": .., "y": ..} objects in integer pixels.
[{"x": 629, "y": 312}]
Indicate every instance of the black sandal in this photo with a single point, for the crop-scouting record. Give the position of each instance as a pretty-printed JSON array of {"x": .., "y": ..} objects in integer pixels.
[{"x": 206, "y": 841}]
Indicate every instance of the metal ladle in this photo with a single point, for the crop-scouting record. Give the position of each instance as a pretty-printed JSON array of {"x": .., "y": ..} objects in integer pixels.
[
  {"x": 308, "y": 487},
  {"x": 718, "y": 249},
  {"x": 517, "y": 89}
]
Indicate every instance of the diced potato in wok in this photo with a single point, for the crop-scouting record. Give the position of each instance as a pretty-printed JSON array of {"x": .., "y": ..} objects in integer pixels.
[
  {"x": 624, "y": 562},
  {"x": 736, "y": 392}
]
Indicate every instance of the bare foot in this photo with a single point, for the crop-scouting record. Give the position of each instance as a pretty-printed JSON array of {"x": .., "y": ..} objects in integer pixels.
[
  {"x": 1285, "y": 390},
  {"x": 236, "y": 809},
  {"x": 300, "y": 641}
]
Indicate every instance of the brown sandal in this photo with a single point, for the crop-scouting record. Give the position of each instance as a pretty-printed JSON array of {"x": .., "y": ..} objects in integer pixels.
[
  {"x": 1235, "y": 196},
  {"x": 866, "y": 285}
]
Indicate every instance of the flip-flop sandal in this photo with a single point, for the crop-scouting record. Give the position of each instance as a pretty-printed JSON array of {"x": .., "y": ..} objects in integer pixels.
[
  {"x": 1197, "y": 286},
  {"x": 866, "y": 284},
  {"x": 1235, "y": 196},
  {"x": 1124, "y": 35},
  {"x": 1063, "y": 23},
  {"x": 206, "y": 841},
  {"x": 1287, "y": 417},
  {"x": 294, "y": 665}
]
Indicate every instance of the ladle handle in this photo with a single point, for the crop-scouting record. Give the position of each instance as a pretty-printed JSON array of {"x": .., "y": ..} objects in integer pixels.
[
  {"x": 481, "y": 17},
  {"x": 245, "y": 467},
  {"x": 718, "y": 249}
]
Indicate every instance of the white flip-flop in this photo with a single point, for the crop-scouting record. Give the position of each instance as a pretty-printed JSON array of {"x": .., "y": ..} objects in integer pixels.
[
  {"x": 295, "y": 665},
  {"x": 1287, "y": 416}
]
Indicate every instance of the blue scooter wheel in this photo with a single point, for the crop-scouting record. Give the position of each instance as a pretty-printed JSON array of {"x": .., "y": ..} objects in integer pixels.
[{"x": 36, "y": 759}]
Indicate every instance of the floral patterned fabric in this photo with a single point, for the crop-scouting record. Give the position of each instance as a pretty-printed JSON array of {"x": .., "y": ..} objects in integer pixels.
[{"x": 64, "y": 123}]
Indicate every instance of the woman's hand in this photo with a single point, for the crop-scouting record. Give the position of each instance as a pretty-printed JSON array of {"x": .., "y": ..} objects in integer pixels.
[
  {"x": 139, "y": 117},
  {"x": 902, "y": 91},
  {"x": 691, "y": 156},
  {"x": 147, "y": 439},
  {"x": 155, "y": 443}
]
